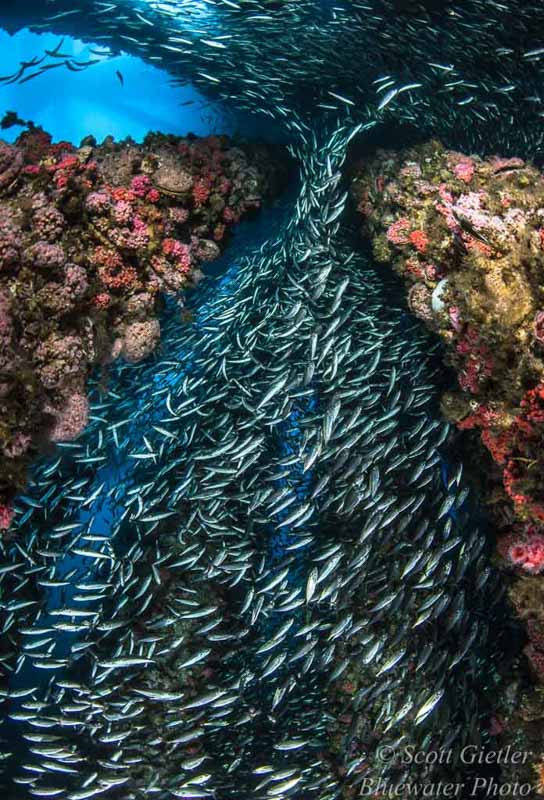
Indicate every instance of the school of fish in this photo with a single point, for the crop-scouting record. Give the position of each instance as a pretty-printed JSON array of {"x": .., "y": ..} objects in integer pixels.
[{"x": 268, "y": 506}]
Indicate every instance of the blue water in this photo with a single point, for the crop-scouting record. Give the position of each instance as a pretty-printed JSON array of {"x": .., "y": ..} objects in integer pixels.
[{"x": 72, "y": 105}]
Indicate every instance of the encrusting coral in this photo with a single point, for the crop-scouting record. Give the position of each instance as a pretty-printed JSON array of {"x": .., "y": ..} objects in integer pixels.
[
  {"x": 466, "y": 234},
  {"x": 90, "y": 238}
]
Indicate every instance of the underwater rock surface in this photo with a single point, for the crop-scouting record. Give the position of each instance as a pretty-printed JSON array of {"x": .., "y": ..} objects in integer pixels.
[
  {"x": 467, "y": 235},
  {"x": 91, "y": 239}
]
